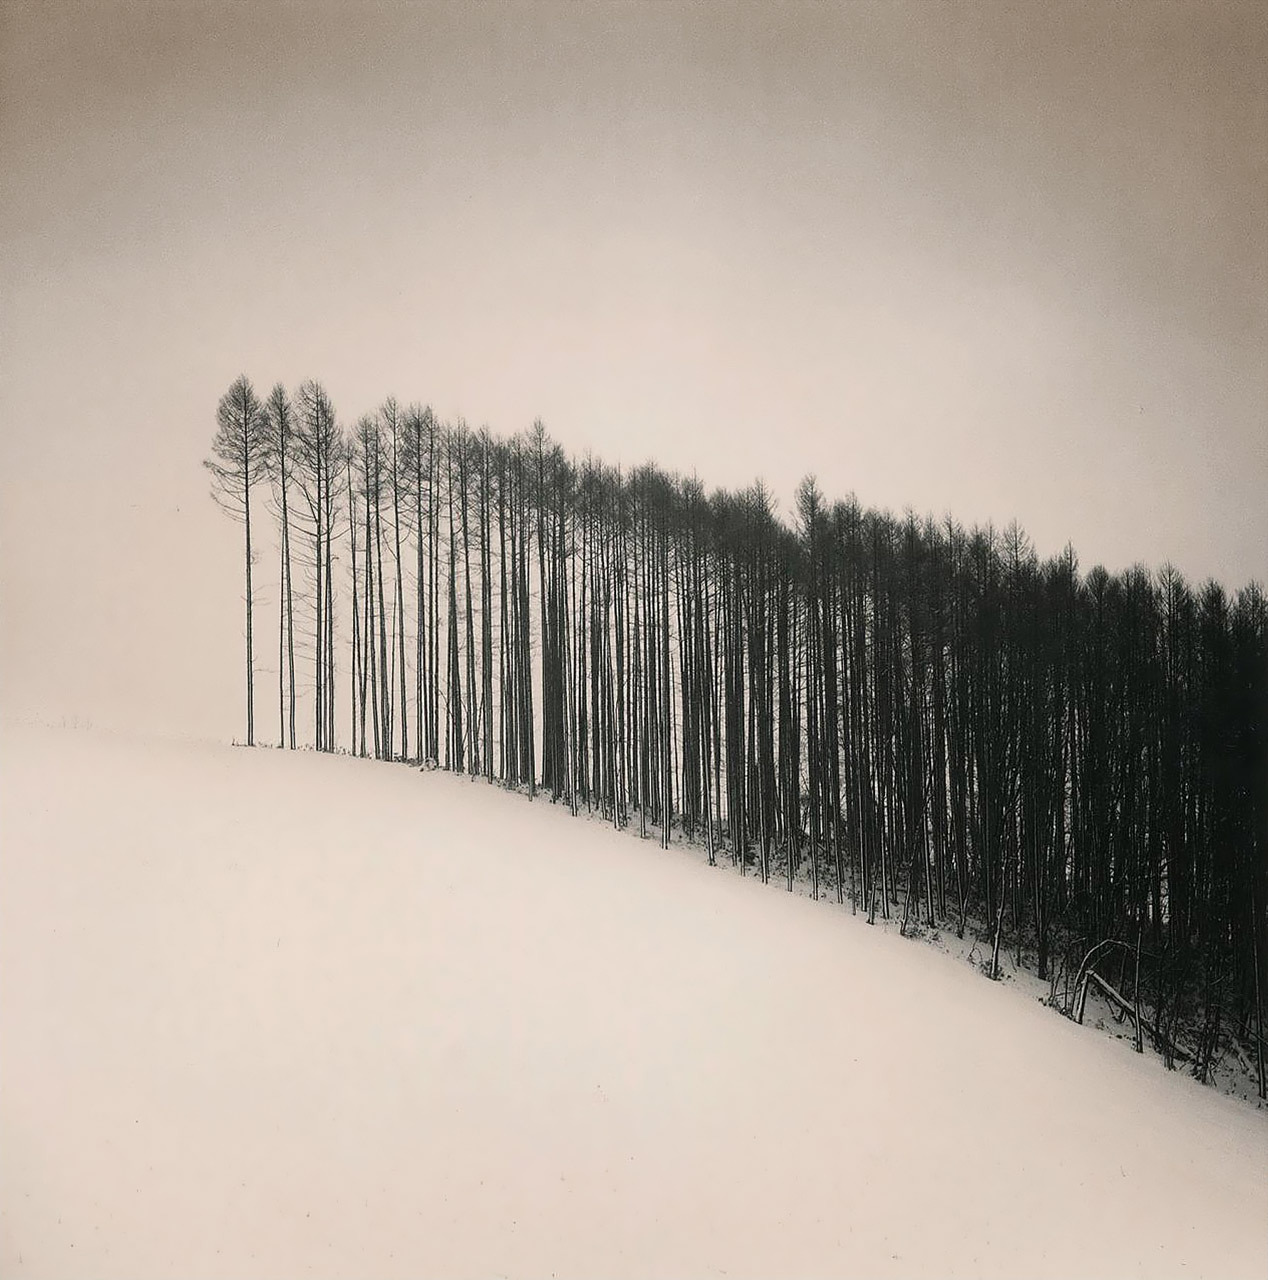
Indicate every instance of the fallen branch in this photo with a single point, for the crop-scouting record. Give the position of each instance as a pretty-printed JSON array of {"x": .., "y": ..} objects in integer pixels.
[
  {"x": 1085, "y": 970},
  {"x": 1242, "y": 1058},
  {"x": 1116, "y": 997}
]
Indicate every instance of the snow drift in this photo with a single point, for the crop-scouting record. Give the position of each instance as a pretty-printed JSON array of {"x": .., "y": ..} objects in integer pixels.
[{"x": 272, "y": 1014}]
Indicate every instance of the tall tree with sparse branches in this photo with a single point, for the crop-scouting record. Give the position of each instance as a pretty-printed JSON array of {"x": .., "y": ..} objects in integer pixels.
[
  {"x": 237, "y": 465},
  {"x": 279, "y": 449}
]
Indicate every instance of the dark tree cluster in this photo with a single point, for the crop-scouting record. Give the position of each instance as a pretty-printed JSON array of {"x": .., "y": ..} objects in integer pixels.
[{"x": 919, "y": 720}]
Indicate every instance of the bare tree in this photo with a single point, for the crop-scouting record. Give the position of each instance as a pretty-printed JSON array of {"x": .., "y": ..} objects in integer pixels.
[
  {"x": 237, "y": 464},
  {"x": 318, "y": 473},
  {"x": 279, "y": 457}
]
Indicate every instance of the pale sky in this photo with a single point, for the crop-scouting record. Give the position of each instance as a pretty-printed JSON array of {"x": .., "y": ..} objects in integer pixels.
[{"x": 1002, "y": 260}]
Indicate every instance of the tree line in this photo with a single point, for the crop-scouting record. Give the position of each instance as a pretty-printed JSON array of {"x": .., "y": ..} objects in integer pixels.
[{"x": 917, "y": 719}]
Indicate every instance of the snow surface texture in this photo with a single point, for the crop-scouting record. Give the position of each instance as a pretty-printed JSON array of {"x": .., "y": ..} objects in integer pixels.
[{"x": 270, "y": 1014}]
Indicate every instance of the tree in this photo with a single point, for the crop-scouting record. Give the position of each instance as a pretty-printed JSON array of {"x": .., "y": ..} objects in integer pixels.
[
  {"x": 395, "y": 429},
  {"x": 319, "y": 472},
  {"x": 237, "y": 464},
  {"x": 279, "y": 432}
]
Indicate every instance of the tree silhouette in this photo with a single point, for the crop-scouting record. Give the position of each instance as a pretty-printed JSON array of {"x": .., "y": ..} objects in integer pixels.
[
  {"x": 279, "y": 437},
  {"x": 237, "y": 464}
]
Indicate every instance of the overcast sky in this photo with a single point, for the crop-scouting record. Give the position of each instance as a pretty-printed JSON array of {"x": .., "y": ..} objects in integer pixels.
[{"x": 1002, "y": 260}]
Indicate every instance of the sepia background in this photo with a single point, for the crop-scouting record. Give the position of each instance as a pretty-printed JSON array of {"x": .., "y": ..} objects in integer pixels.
[{"x": 1002, "y": 260}]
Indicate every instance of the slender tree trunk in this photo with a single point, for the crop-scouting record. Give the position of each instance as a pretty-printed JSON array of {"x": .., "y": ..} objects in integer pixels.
[{"x": 250, "y": 654}]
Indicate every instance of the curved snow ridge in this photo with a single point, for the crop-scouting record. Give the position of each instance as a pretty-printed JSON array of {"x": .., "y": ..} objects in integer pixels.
[{"x": 271, "y": 1014}]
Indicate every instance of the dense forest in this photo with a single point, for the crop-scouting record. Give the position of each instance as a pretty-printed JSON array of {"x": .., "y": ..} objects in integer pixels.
[{"x": 924, "y": 722}]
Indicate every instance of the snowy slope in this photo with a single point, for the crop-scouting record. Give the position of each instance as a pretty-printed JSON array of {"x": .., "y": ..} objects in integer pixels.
[{"x": 281, "y": 1015}]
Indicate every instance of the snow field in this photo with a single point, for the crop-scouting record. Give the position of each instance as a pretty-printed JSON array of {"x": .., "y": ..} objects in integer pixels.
[{"x": 272, "y": 1014}]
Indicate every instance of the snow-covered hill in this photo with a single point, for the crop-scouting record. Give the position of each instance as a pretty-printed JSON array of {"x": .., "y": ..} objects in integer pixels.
[{"x": 265, "y": 1014}]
